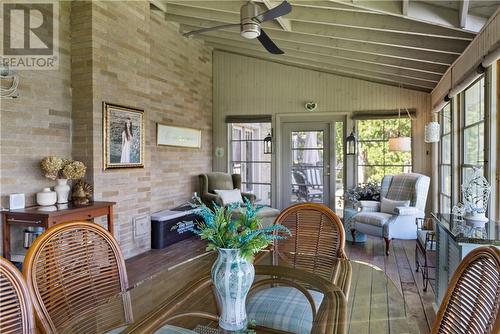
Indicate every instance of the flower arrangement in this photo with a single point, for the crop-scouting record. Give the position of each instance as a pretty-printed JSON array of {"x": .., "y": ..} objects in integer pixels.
[
  {"x": 58, "y": 168},
  {"x": 364, "y": 192},
  {"x": 74, "y": 170},
  {"x": 223, "y": 231}
]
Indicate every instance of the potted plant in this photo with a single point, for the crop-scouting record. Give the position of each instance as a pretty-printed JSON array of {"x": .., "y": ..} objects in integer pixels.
[
  {"x": 236, "y": 240},
  {"x": 364, "y": 192},
  {"x": 62, "y": 170}
]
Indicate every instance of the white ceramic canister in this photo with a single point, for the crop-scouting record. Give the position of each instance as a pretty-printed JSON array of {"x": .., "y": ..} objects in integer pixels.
[{"x": 46, "y": 197}]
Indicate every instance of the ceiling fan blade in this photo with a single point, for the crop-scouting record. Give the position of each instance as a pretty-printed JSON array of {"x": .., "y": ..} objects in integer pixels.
[
  {"x": 268, "y": 43},
  {"x": 280, "y": 10},
  {"x": 201, "y": 31}
]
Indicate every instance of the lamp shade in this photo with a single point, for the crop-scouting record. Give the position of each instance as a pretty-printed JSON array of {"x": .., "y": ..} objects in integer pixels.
[
  {"x": 400, "y": 144},
  {"x": 432, "y": 130}
]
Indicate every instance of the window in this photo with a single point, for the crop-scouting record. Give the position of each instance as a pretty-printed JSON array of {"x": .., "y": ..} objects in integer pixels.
[
  {"x": 248, "y": 158},
  {"x": 339, "y": 167},
  {"x": 473, "y": 125},
  {"x": 374, "y": 158},
  {"x": 445, "y": 160}
]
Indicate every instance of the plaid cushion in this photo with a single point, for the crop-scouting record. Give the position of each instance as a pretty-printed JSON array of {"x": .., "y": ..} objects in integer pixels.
[
  {"x": 373, "y": 218},
  {"x": 408, "y": 187},
  {"x": 283, "y": 308},
  {"x": 169, "y": 329},
  {"x": 403, "y": 188}
]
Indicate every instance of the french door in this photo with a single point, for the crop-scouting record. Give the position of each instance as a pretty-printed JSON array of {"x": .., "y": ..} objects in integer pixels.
[
  {"x": 312, "y": 155},
  {"x": 306, "y": 169}
]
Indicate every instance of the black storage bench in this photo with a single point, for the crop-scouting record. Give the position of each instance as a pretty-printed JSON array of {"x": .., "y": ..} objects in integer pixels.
[{"x": 162, "y": 222}]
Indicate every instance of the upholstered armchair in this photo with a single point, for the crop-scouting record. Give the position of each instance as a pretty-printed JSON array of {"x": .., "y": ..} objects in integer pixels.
[
  {"x": 210, "y": 182},
  {"x": 402, "y": 200}
]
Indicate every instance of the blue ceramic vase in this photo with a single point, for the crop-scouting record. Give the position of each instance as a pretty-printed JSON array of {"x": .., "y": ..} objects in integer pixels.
[{"x": 232, "y": 276}]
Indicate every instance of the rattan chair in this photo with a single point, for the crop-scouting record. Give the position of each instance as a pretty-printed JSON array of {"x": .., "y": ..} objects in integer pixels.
[
  {"x": 317, "y": 240},
  {"x": 77, "y": 279},
  {"x": 16, "y": 309},
  {"x": 472, "y": 302}
]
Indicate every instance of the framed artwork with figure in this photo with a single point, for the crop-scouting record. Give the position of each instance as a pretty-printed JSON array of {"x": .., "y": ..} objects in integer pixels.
[{"x": 123, "y": 134}]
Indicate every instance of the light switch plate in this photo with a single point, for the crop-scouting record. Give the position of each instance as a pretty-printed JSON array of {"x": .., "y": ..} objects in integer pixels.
[{"x": 142, "y": 226}]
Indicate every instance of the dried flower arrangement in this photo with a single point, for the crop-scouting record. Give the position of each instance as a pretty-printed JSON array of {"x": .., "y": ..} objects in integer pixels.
[{"x": 58, "y": 168}]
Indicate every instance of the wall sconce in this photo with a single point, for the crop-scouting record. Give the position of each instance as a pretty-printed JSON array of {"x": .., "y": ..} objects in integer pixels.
[
  {"x": 268, "y": 144},
  {"x": 350, "y": 143}
]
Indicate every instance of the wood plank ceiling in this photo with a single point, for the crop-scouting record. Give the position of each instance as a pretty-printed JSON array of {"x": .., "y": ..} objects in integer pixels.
[{"x": 400, "y": 42}]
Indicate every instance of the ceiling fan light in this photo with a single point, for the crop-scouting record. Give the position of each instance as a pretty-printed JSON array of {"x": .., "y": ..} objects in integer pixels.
[{"x": 250, "y": 34}]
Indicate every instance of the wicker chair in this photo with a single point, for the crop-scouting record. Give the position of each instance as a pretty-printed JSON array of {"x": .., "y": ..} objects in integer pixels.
[
  {"x": 317, "y": 240},
  {"x": 16, "y": 309},
  {"x": 72, "y": 270},
  {"x": 472, "y": 302}
]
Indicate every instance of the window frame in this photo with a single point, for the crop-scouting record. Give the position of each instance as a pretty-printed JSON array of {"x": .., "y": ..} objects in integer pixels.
[
  {"x": 441, "y": 164},
  {"x": 384, "y": 140},
  {"x": 462, "y": 165},
  {"x": 248, "y": 136}
]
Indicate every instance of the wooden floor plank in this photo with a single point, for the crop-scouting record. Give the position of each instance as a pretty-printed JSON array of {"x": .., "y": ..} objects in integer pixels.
[
  {"x": 410, "y": 291},
  {"x": 426, "y": 297},
  {"x": 398, "y": 266}
]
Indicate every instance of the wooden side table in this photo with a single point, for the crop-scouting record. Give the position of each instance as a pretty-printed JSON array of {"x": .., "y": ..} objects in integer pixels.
[{"x": 46, "y": 217}]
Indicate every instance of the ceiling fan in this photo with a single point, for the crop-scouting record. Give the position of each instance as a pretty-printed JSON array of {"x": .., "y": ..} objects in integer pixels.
[{"x": 250, "y": 21}]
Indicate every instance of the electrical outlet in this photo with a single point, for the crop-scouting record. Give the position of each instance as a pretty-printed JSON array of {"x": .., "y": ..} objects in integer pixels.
[{"x": 142, "y": 226}]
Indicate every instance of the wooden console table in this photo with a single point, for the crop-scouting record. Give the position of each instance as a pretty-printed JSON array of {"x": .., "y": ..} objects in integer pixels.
[{"x": 46, "y": 217}]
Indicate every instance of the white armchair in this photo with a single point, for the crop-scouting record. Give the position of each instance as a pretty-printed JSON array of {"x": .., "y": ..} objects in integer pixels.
[{"x": 402, "y": 200}]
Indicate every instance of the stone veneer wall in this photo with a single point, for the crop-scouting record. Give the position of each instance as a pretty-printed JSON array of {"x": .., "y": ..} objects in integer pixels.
[
  {"x": 37, "y": 123},
  {"x": 123, "y": 53}
]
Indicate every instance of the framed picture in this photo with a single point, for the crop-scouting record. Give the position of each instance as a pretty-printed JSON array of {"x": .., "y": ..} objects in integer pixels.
[
  {"x": 168, "y": 135},
  {"x": 123, "y": 133}
]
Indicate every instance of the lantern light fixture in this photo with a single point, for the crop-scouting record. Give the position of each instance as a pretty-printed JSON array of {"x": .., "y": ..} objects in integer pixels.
[
  {"x": 268, "y": 144},
  {"x": 350, "y": 143}
]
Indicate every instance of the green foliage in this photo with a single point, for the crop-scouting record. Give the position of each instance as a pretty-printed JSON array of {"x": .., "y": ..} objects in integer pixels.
[
  {"x": 246, "y": 233},
  {"x": 373, "y": 155}
]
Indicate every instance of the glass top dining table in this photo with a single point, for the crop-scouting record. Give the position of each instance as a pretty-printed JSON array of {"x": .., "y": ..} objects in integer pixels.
[{"x": 357, "y": 298}]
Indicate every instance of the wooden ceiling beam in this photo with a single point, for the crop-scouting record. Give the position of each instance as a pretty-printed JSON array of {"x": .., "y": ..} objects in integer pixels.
[
  {"x": 333, "y": 13},
  {"x": 372, "y": 21},
  {"x": 463, "y": 12},
  {"x": 418, "y": 12},
  {"x": 425, "y": 56},
  {"x": 451, "y": 46},
  {"x": 282, "y": 21},
  {"x": 341, "y": 54},
  {"x": 405, "y": 4},
  {"x": 338, "y": 70},
  {"x": 375, "y": 69},
  {"x": 378, "y": 37}
]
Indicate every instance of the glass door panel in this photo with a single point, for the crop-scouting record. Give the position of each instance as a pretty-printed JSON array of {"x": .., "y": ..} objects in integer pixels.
[
  {"x": 307, "y": 166},
  {"x": 305, "y": 163}
]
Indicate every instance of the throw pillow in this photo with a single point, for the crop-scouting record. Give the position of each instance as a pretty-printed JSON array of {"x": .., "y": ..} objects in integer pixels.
[
  {"x": 230, "y": 196},
  {"x": 389, "y": 205}
]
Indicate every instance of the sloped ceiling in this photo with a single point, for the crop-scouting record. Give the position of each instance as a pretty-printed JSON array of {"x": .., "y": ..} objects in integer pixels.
[{"x": 408, "y": 43}]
